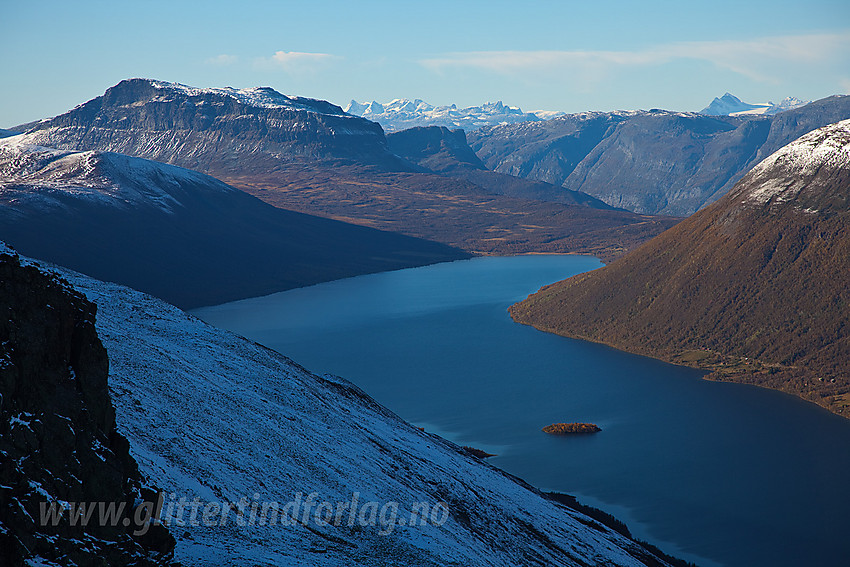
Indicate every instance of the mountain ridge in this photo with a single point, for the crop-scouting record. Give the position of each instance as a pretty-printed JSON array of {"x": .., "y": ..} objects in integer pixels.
[
  {"x": 196, "y": 128},
  {"x": 730, "y": 105},
  {"x": 652, "y": 162},
  {"x": 339, "y": 167}
]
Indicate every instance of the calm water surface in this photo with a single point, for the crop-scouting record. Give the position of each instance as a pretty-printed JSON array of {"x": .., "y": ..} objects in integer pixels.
[{"x": 718, "y": 474}]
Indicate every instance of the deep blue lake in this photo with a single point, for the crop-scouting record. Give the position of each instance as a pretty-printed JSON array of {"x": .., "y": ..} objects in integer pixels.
[{"x": 719, "y": 474}]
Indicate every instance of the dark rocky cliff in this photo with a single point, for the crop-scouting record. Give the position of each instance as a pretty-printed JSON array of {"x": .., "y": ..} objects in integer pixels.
[{"x": 58, "y": 439}]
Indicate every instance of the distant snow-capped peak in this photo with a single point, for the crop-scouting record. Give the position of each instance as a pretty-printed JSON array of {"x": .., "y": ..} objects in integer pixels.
[
  {"x": 400, "y": 114},
  {"x": 730, "y": 105}
]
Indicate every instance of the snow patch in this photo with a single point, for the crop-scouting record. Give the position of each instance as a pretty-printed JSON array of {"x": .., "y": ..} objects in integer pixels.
[
  {"x": 777, "y": 177},
  {"x": 43, "y": 177}
]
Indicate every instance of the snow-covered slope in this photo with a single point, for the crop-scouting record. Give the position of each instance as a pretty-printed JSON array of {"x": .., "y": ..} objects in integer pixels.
[
  {"x": 29, "y": 172},
  {"x": 401, "y": 114},
  {"x": 178, "y": 234},
  {"x": 258, "y": 97},
  {"x": 213, "y": 416},
  {"x": 730, "y": 105},
  {"x": 804, "y": 169}
]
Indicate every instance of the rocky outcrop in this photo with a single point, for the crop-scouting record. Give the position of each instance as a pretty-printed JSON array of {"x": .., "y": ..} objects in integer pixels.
[{"x": 58, "y": 439}]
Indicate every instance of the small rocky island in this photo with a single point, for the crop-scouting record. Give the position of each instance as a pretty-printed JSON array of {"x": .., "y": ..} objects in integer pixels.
[{"x": 571, "y": 428}]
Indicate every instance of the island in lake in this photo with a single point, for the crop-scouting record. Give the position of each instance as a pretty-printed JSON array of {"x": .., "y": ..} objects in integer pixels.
[{"x": 570, "y": 428}]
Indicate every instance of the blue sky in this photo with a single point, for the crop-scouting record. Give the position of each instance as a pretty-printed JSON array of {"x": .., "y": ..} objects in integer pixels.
[{"x": 570, "y": 56}]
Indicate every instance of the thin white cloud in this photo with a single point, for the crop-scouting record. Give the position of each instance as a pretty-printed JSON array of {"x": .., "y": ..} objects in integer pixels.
[
  {"x": 295, "y": 61},
  {"x": 223, "y": 60},
  {"x": 758, "y": 59}
]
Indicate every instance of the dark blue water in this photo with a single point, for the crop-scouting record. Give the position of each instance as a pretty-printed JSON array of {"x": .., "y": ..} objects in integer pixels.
[{"x": 719, "y": 474}]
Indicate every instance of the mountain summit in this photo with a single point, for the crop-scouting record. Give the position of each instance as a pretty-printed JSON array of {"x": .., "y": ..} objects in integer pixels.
[
  {"x": 215, "y": 130},
  {"x": 729, "y": 104},
  {"x": 754, "y": 288}
]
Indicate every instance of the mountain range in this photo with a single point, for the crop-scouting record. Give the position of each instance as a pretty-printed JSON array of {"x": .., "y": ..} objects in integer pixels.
[
  {"x": 754, "y": 288},
  {"x": 178, "y": 234},
  {"x": 652, "y": 162},
  {"x": 309, "y": 156},
  {"x": 401, "y": 114}
]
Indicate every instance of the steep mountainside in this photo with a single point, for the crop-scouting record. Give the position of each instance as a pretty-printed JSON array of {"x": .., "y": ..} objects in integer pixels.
[
  {"x": 213, "y": 130},
  {"x": 58, "y": 438},
  {"x": 648, "y": 161},
  {"x": 755, "y": 287},
  {"x": 401, "y": 114},
  {"x": 307, "y": 156},
  {"x": 180, "y": 235},
  {"x": 232, "y": 427}
]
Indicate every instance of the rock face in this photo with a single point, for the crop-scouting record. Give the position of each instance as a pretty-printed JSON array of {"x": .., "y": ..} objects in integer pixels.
[
  {"x": 213, "y": 130},
  {"x": 57, "y": 431},
  {"x": 755, "y": 287},
  {"x": 435, "y": 148},
  {"x": 654, "y": 162},
  {"x": 178, "y": 234}
]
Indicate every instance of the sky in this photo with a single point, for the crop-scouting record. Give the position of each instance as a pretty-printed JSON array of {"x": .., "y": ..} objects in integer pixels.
[{"x": 538, "y": 55}]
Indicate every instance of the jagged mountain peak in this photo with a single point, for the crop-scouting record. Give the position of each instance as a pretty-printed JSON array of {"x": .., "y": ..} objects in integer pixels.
[{"x": 402, "y": 113}]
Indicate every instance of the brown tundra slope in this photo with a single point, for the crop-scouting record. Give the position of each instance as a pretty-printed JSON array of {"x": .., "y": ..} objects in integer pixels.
[{"x": 754, "y": 288}]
